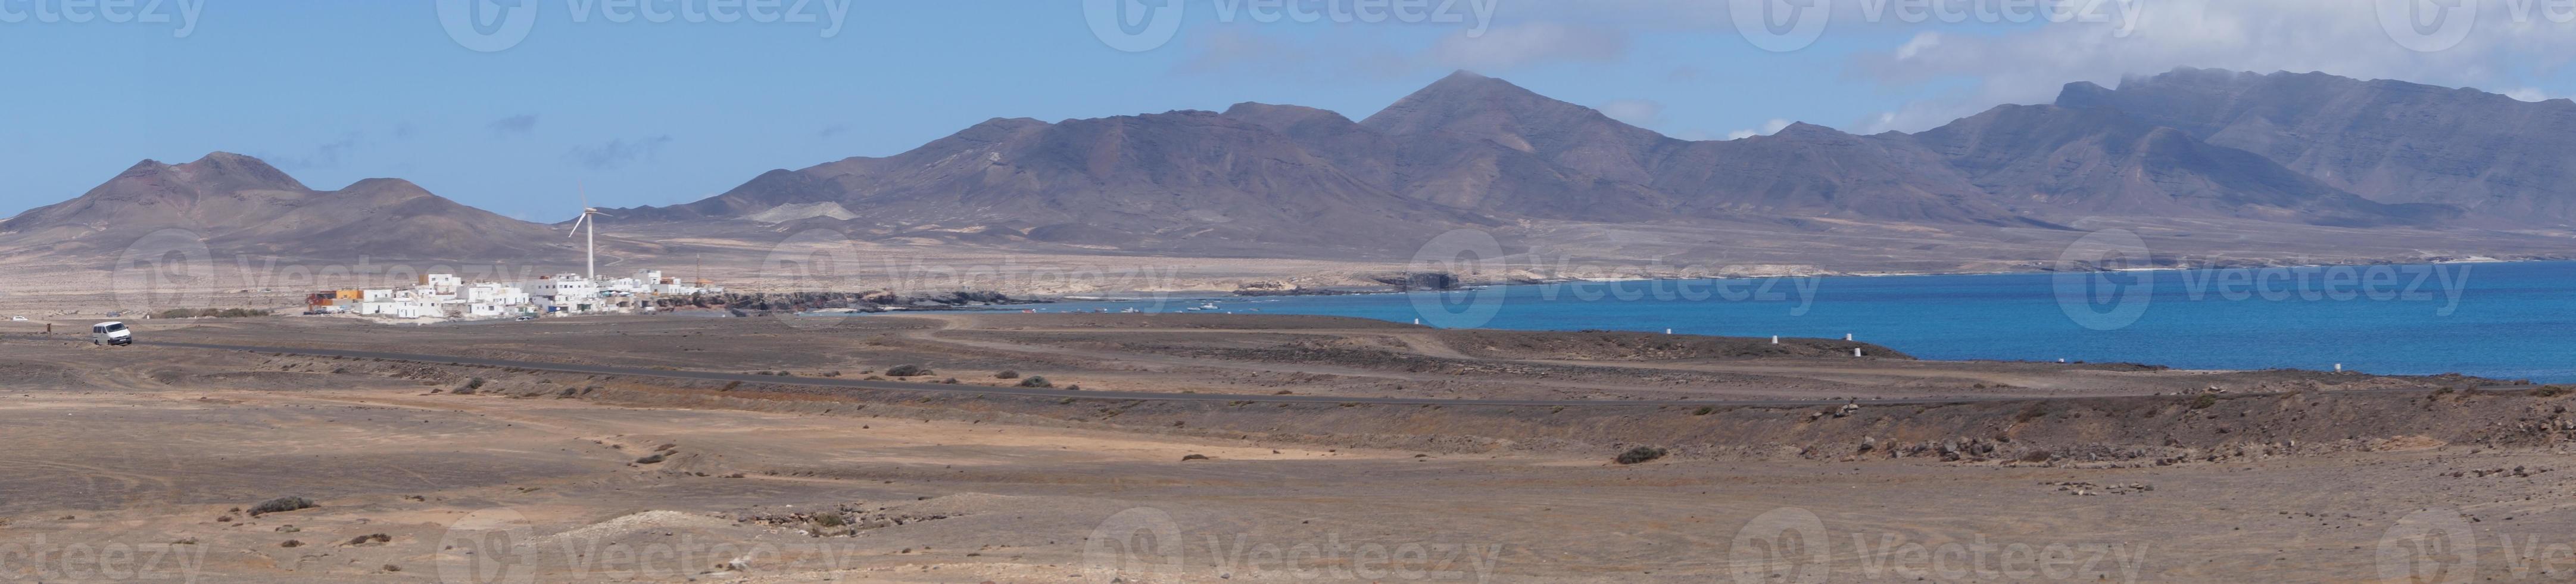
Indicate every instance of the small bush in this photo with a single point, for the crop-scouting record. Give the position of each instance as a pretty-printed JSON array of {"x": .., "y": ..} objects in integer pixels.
[
  {"x": 2551, "y": 391},
  {"x": 1639, "y": 454},
  {"x": 1074, "y": 387},
  {"x": 2037, "y": 456},
  {"x": 2204, "y": 401},
  {"x": 830, "y": 520},
  {"x": 907, "y": 371},
  {"x": 949, "y": 381},
  {"x": 2034, "y": 411},
  {"x": 649, "y": 459},
  {"x": 1194, "y": 457},
  {"x": 280, "y": 505},
  {"x": 1007, "y": 374},
  {"x": 475, "y": 383},
  {"x": 290, "y": 543},
  {"x": 1704, "y": 410},
  {"x": 1036, "y": 381},
  {"x": 371, "y": 538}
]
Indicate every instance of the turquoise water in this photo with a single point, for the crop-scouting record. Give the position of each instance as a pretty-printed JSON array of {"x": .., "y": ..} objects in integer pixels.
[{"x": 2504, "y": 320}]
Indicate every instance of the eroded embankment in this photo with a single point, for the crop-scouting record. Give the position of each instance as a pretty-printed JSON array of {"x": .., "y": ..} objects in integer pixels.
[{"x": 2112, "y": 431}]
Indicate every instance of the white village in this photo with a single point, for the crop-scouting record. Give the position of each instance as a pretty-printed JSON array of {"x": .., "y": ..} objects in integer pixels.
[{"x": 447, "y": 296}]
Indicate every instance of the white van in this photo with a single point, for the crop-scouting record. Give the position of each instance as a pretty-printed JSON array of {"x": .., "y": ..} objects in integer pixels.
[{"x": 110, "y": 333}]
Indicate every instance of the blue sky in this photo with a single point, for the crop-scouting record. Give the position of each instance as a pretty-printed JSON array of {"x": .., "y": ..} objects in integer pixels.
[{"x": 661, "y": 113}]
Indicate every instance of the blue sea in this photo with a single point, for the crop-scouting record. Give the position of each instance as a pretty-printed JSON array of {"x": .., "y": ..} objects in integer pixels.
[{"x": 2503, "y": 320}]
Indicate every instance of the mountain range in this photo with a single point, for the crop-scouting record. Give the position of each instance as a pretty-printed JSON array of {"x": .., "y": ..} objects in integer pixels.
[
  {"x": 2308, "y": 149},
  {"x": 1471, "y": 150},
  {"x": 239, "y": 204}
]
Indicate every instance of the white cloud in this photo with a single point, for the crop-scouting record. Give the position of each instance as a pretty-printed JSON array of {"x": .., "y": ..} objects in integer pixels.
[
  {"x": 2342, "y": 37},
  {"x": 1636, "y": 112},
  {"x": 1922, "y": 41},
  {"x": 2528, "y": 94},
  {"x": 1768, "y": 128}
]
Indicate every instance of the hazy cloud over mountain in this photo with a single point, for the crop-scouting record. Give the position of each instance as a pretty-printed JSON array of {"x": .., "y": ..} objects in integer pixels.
[{"x": 619, "y": 152}]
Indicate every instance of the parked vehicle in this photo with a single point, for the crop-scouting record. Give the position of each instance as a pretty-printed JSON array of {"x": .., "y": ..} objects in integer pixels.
[{"x": 110, "y": 333}]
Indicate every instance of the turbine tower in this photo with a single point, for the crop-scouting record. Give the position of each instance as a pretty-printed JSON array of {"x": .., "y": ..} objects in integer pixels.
[{"x": 587, "y": 212}]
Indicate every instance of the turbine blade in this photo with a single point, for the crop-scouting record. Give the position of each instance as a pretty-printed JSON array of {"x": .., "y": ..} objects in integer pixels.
[{"x": 576, "y": 225}]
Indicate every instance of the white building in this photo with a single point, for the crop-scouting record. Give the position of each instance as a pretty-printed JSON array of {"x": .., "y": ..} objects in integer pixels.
[
  {"x": 441, "y": 284},
  {"x": 449, "y": 296},
  {"x": 565, "y": 293}
]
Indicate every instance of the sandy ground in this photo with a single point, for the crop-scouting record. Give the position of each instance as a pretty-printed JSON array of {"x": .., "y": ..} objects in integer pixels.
[{"x": 143, "y": 461}]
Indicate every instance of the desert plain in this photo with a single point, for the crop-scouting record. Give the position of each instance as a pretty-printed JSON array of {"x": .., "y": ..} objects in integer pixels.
[{"x": 1205, "y": 448}]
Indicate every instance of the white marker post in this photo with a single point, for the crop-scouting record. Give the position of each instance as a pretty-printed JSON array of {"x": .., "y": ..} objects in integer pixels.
[
  {"x": 2338, "y": 367},
  {"x": 1775, "y": 339},
  {"x": 1847, "y": 336},
  {"x": 1855, "y": 351}
]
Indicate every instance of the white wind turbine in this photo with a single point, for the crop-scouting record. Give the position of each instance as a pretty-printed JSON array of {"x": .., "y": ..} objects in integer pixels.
[{"x": 586, "y": 212}]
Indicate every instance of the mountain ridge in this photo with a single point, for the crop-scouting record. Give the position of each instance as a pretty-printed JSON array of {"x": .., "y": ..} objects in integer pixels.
[
  {"x": 1472, "y": 150},
  {"x": 240, "y": 204}
]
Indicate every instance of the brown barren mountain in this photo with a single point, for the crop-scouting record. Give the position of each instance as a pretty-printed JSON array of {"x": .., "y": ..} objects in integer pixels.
[
  {"x": 2391, "y": 141},
  {"x": 236, "y": 204},
  {"x": 1471, "y": 150}
]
